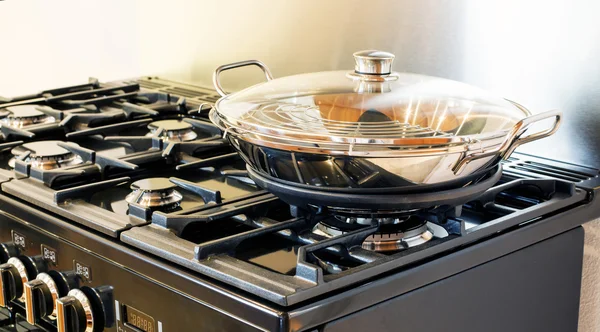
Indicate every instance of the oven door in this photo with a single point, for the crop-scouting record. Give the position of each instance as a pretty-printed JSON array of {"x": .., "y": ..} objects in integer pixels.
[{"x": 534, "y": 289}]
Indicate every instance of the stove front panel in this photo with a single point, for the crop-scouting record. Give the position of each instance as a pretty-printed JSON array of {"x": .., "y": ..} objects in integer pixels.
[
  {"x": 534, "y": 289},
  {"x": 138, "y": 302}
]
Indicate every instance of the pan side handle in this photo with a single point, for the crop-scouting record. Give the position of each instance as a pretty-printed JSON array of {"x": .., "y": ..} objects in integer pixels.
[
  {"x": 515, "y": 138},
  {"x": 220, "y": 69}
]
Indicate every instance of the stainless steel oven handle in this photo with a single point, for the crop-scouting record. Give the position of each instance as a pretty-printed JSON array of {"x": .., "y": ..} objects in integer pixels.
[
  {"x": 514, "y": 139},
  {"x": 217, "y": 73}
]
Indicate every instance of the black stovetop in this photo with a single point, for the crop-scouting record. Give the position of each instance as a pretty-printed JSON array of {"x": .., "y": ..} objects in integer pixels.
[{"x": 154, "y": 134}]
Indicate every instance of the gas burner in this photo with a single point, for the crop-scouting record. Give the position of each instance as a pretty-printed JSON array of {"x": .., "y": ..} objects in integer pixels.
[
  {"x": 24, "y": 115},
  {"x": 155, "y": 194},
  {"x": 394, "y": 234},
  {"x": 45, "y": 155},
  {"x": 402, "y": 235},
  {"x": 173, "y": 130},
  {"x": 369, "y": 217}
]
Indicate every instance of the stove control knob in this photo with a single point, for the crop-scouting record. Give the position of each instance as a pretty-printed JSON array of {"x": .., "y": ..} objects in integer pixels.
[
  {"x": 8, "y": 250},
  {"x": 12, "y": 276},
  {"x": 16, "y": 272},
  {"x": 42, "y": 292},
  {"x": 85, "y": 310}
]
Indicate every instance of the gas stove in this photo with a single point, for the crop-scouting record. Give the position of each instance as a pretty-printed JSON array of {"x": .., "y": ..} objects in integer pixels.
[{"x": 123, "y": 208}]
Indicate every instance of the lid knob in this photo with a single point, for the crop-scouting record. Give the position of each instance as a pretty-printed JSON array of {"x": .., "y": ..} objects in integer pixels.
[{"x": 373, "y": 62}]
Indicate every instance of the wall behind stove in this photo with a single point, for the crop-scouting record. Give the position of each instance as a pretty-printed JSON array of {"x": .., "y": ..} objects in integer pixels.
[{"x": 542, "y": 54}]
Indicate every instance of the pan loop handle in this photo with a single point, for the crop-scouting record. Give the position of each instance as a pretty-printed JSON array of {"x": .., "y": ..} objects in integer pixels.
[
  {"x": 514, "y": 139},
  {"x": 217, "y": 73},
  {"x": 534, "y": 137}
]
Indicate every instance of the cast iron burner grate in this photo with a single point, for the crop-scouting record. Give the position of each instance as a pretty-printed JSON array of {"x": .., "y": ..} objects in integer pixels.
[
  {"x": 178, "y": 139},
  {"x": 75, "y": 109},
  {"x": 322, "y": 262},
  {"x": 52, "y": 161},
  {"x": 103, "y": 127}
]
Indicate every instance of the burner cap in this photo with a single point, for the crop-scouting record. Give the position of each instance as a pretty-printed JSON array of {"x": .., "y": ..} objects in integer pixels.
[
  {"x": 403, "y": 235},
  {"x": 24, "y": 115},
  {"x": 45, "y": 155},
  {"x": 153, "y": 184},
  {"x": 155, "y": 193},
  {"x": 173, "y": 130},
  {"x": 393, "y": 234}
]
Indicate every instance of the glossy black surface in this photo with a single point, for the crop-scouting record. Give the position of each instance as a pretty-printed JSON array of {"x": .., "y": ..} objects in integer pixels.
[{"x": 512, "y": 293}]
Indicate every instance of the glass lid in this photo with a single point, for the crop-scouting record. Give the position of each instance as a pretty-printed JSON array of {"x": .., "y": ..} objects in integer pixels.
[{"x": 368, "y": 106}]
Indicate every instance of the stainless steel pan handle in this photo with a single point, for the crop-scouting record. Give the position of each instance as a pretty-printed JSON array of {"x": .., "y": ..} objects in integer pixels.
[
  {"x": 217, "y": 82},
  {"x": 534, "y": 137},
  {"x": 514, "y": 138}
]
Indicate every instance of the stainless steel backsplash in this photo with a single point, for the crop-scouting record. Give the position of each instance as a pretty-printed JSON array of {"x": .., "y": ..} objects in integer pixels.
[{"x": 544, "y": 54}]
